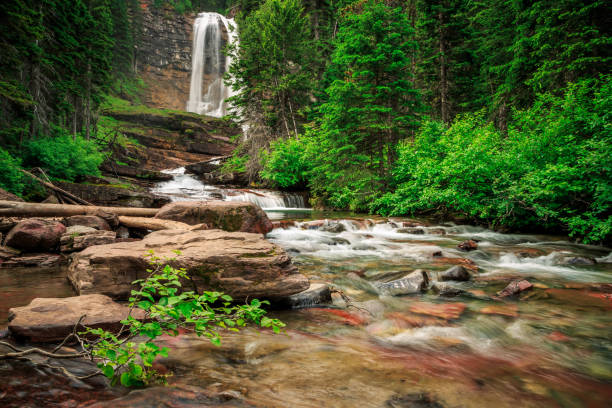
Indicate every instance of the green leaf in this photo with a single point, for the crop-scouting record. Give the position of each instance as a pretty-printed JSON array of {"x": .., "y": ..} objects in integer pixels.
[
  {"x": 108, "y": 371},
  {"x": 125, "y": 379}
]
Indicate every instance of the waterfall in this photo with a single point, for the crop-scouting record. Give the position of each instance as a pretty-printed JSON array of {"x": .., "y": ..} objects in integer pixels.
[{"x": 211, "y": 32}]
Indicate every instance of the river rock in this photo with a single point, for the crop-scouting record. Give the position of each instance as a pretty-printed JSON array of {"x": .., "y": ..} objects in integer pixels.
[
  {"x": 44, "y": 260},
  {"x": 415, "y": 282},
  {"x": 447, "y": 311},
  {"x": 176, "y": 395},
  {"x": 334, "y": 227},
  {"x": 78, "y": 238},
  {"x": 579, "y": 260},
  {"x": 52, "y": 319},
  {"x": 446, "y": 290},
  {"x": 92, "y": 221},
  {"x": 237, "y": 263},
  {"x": 414, "y": 231},
  {"x": 469, "y": 245},
  {"x": 201, "y": 167},
  {"x": 514, "y": 288},
  {"x": 316, "y": 294},
  {"x": 226, "y": 215},
  {"x": 35, "y": 235},
  {"x": 456, "y": 273}
]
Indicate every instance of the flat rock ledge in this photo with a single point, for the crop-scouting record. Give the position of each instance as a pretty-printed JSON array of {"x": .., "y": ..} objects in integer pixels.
[
  {"x": 52, "y": 319},
  {"x": 243, "y": 265}
]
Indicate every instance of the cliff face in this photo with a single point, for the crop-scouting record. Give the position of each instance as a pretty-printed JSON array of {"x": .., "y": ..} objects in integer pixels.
[{"x": 164, "y": 56}]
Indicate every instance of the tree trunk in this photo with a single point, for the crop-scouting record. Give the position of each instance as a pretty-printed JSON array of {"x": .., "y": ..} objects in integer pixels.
[
  {"x": 153, "y": 224},
  {"x": 444, "y": 109},
  {"x": 19, "y": 209}
]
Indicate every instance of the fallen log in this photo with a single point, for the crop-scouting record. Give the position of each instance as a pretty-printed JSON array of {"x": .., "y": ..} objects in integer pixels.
[
  {"x": 18, "y": 209},
  {"x": 57, "y": 189},
  {"x": 153, "y": 224}
]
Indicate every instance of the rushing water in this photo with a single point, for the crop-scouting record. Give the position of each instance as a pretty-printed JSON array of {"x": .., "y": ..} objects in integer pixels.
[{"x": 552, "y": 346}]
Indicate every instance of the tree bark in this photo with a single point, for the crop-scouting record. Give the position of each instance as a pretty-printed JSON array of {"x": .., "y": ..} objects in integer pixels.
[
  {"x": 153, "y": 224},
  {"x": 19, "y": 209}
]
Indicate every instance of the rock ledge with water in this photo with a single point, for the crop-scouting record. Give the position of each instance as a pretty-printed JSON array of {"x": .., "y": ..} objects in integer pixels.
[{"x": 237, "y": 263}]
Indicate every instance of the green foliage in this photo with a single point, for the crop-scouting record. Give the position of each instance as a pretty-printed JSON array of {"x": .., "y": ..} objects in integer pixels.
[
  {"x": 167, "y": 308},
  {"x": 63, "y": 156},
  {"x": 554, "y": 167},
  {"x": 370, "y": 105},
  {"x": 286, "y": 164},
  {"x": 11, "y": 179}
]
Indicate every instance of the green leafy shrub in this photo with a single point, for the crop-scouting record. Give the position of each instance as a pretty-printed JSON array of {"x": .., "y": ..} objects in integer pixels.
[
  {"x": 123, "y": 359},
  {"x": 286, "y": 164},
  {"x": 63, "y": 156},
  {"x": 11, "y": 179},
  {"x": 553, "y": 169}
]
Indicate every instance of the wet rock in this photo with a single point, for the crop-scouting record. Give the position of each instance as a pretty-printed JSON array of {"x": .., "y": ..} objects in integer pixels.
[
  {"x": 579, "y": 261},
  {"x": 284, "y": 224},
  {"x": 335, "y": 228},
  {"x": 173, "y": 396},
  {"x": 447, "y": 311},
  {"x": 134, "y": 172},
  {"x": 316, "y": 294},
  {"x": 557, "y": 336},
  {"x": 446, "y": 290},
  {"x": 226, "y": 215},
  {"x": 316, "y": 224},
  {"x": 436, "y": 231},
  {"x": 373, "y": 307},
  {"x": 411, "y": 224},
  {"x": 466, "y": 263},
  {"x": 416, "y": 231},
  {"x": 340, "y": 241},
  {"x": 529, "y": 253},
  {"x": 514, "y": 288},
  {"x": 469, "y": 245},
  {"x": 456, "y": 273},
  {"x": 52, "y": 319},
  {"x": 412, "y": 401},
  {"x": 415, "y": 282},
  {"x": 31, "y": 260},
  {"x": 123, "y": 232},
  {"x": 201, "y": 167},
  {"x": 238, "y": 263},
  {"x": 114, "y": 195},
  {"x": 35, "y": 235},
  {"x": 71, "y": 242},
  {"x": 92, "y": 221}
]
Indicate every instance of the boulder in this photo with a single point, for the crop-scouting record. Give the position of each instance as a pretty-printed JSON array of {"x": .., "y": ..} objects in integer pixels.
[
  {"x": 92, "y": 221},
  {"x": 52, "y": 319},
  {"x": 446, "y": 290},
  {"x": 201, "y": 167},
  {"x": 415, "y": 282},
  {"x": 237, "y": 263},
  {"x": 78, "y": 241},
  {"x": 316, "y": 294},
  {"x": 410, "y": 230},
  {"x": 226, "y": 215},
  {"x": 514, "y": 288},
  {"x": 114, "y": 195},
  {"x": 456, "y": 273},
  {"x": 35, "y": 235},
  {"x": 469, "y": 245}
]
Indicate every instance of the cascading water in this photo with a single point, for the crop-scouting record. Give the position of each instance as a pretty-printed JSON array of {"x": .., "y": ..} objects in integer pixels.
[{"x": 211, "y": 32}]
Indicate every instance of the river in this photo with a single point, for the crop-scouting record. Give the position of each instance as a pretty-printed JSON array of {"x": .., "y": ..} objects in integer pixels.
[{"x": 551, "y": 346}]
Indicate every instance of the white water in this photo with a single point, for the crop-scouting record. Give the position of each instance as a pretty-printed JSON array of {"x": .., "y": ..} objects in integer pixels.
[
  {"x": 208, "y": 59},
  {"x": 186, "y": 187}
]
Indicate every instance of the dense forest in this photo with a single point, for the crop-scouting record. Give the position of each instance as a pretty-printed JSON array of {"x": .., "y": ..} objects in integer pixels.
[{"x": 495, "y": 111}]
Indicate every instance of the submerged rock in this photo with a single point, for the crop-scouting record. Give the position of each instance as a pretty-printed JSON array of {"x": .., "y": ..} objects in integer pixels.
[
  {"x": 579, "y": 260},
  {"x": 227, "y": 215},
  {"x": 174, "y": 396},
  {"x": 415, "y": 231},
  {"x": 447, "y": 311},
  {"x": 52, "y": 319},
  {"x": 456, "y": 273},
  {"x": 446, "y": 290},
  {"x": 334, "y": 227},
  {"x": 35, "y": 234},
  {"x": 514, "y": 288},
  {"x": 469, "y": 245},
  {"x": 316, "y": 294},
  {"x": 412, "y": 401},
  {"x": 415, "y": 282},
  {"x": 237, "y": 263}
]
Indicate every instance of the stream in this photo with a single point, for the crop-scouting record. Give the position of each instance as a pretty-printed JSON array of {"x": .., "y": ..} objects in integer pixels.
[{"x": 550, "y": 347}]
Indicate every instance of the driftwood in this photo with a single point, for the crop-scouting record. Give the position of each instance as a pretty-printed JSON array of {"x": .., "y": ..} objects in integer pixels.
[
  {"x": 19, "y": 209},
  {"x": 153, "y": 224},
  {"x": 57, "y": 189}
]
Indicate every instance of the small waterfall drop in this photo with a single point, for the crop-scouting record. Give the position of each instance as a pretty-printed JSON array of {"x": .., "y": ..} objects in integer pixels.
[{"x": 211, "y": 32}]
